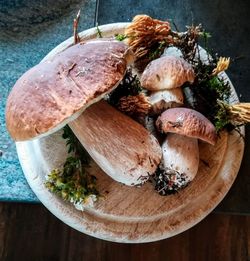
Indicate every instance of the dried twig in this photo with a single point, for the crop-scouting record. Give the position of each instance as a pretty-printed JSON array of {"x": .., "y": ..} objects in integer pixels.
[{"x": 75, "y": 28}]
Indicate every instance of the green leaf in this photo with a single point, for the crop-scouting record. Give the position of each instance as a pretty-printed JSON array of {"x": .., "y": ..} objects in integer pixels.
[
  {"x": 99, "y": 33},
  {"x": 120, "y": 37}
]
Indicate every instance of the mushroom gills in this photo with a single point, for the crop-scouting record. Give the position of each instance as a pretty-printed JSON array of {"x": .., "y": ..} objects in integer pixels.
[
  {"x": 121, "y": 147},
  {"x": 180, "y": 159},
  {"x": 162, "y": 100}
]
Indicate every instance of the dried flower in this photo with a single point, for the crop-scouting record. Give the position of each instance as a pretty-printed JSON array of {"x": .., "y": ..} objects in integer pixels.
[
  {"x": 222, "y": 65},
  {"x": 144, "y": 32},
  {"x": 134, "y": 105},
  {"x": 89, "y": 201}
]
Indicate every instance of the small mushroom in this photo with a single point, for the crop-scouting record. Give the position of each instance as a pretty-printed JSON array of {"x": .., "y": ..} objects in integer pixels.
[
  {"x": 187, "y": 122},
  {"x": 57, "y": 92},
  {"x": 163, "y": 77},
  {"x": 180, "y": 149},
  {"x": 162, "y": 100},
  {"x": 180, "y": 159},
  {"x": 167, "y": 72}
]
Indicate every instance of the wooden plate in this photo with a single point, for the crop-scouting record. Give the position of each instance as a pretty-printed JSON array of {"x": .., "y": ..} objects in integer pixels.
[{"x": 129, "y": 214}]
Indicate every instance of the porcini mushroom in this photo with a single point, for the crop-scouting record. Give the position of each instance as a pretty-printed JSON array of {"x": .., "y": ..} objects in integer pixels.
[
  {"x": 163, "y": 77},
  {"x": 56, "y": 92},
  {"x": 187, "y": 122},
  {"x": 180, "y": 149},
  {"x": 167, "y": 72}
]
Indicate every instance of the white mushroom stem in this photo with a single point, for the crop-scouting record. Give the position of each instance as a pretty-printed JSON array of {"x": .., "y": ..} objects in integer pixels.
[
  {"x": 181, "y": 155},
  {"x": 123, "y": 148},
  {"x": 172, "y": 51},
  {"x": 162, "y": 100}
]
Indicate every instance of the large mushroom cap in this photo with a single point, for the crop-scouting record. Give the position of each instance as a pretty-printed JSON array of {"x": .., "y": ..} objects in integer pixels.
[
  {"x": 187, "y": 122},
  {"x": 45, "y": 97},
  {"x": 167, "y": 72}
]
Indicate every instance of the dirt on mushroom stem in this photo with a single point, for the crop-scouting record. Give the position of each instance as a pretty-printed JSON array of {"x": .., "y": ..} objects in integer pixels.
[{"x": 168, "y": 181}]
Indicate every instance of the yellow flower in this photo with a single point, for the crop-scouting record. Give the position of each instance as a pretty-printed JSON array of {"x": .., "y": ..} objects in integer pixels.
[{"x": 222, "y": 65}]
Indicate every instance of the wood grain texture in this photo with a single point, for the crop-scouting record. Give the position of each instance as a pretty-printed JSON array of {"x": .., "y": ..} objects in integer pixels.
[
  {"x": 128, "y": 214},
  {"x": 30, "y": 232}
]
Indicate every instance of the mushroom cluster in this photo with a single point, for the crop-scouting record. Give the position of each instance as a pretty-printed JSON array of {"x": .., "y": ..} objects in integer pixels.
[
  {"x": 183, "y": 127},
  {"x": 69, "y": 89}
]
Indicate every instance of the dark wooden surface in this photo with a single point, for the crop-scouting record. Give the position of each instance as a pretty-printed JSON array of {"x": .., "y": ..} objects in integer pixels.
[{"x": 30, "y": 232}]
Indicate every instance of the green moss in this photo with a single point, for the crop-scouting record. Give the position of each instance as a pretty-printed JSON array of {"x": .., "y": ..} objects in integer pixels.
[
  {"x": 120, "y": 37},
  {"x": 130, "y": 85},
  {"x": 157, "y": 50}
]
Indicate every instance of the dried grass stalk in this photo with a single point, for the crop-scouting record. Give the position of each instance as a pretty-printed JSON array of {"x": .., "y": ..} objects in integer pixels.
[
  {"x": 240, "y": 112},
  {"x": 222, "y": 65}
]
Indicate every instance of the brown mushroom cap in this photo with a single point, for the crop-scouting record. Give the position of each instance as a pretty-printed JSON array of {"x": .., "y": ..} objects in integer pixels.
[
  {"x": 166, "y": 73},
  {"x": 45, "y": 97},
  {"x": 187, "y": 122}
]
